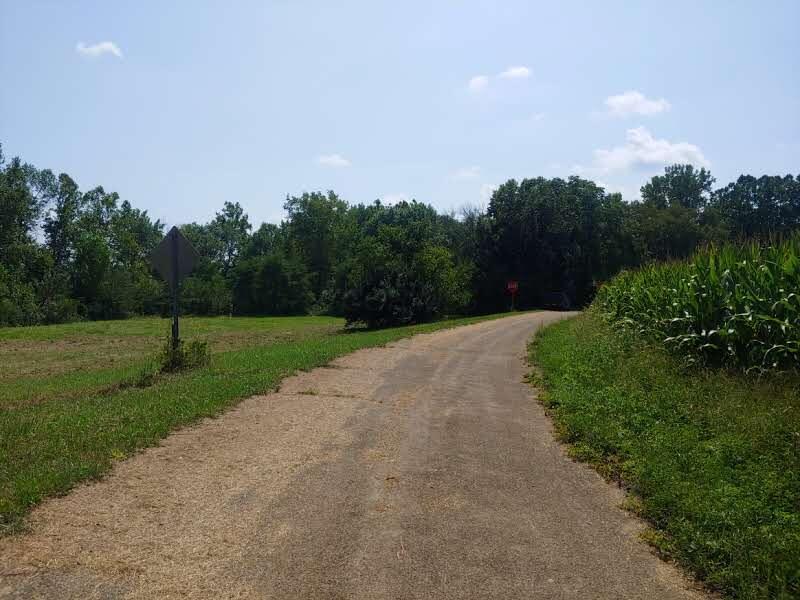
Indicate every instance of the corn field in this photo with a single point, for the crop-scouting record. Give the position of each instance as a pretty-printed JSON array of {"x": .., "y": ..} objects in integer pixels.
[{"x": 734, "y": 305}]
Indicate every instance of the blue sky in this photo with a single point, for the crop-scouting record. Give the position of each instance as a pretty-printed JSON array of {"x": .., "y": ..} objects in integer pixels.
[{"x": 180, "y": 106}]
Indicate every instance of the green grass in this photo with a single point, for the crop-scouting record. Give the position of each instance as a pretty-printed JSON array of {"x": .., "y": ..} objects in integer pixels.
[
  {"x": 712, "y": 458},
  {"x": 37, "y": 352},
  {"x": 69, "y": 415},
  {"x": 63, "y": 362}
]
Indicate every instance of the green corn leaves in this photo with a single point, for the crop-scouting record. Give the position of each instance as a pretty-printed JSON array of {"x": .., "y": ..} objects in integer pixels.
[{"x": 735, "y": 305}]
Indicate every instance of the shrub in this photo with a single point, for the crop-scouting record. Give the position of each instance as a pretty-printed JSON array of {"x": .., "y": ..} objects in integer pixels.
[
  {"x": 18, "y": 304},
  {"x": 390, "y": 299},
  {"x": 384, "y": 287},
  {"x": 183, "y": 355}
]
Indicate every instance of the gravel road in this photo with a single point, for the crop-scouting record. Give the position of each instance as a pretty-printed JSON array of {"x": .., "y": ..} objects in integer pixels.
[{"x": 425, "y": 469}]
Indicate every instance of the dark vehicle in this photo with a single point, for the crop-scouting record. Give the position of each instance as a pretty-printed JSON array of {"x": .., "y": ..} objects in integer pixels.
[{"x": 556, "y": 300}]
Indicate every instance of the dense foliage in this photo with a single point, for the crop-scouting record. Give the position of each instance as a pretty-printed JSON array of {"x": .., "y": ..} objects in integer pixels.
[
  {"x": 737, "y": 305},
  {"x": 93, "y": 259},
  {"x": 68, "y": 255}
]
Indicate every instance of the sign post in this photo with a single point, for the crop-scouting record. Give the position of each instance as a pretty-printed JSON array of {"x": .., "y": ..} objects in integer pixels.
[
  {"x": 174, "y": 258},
  {"x": 512, "y": 287}
]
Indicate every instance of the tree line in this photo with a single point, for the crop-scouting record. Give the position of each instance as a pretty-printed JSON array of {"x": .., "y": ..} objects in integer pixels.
[{"x": 67, "y": 254}]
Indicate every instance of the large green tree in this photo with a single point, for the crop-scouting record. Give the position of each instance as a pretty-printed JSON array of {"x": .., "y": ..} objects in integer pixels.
[
  {"x": 67, "y": 254},
  {"x": 314, "y": 221},
  {"x": 672, "y": 219},
  {"x": 22, "y": 262},
  {"x": 543, "y": 233},
  {"x": 231, "y": 227},
  {"x": 402, "y": 269},
  {"x": 759, "y": 206},
  {"x": 680, "y": 185}
]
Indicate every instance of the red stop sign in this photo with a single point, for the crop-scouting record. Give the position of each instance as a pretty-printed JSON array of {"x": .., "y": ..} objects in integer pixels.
[{"x": 512, "y": 286}]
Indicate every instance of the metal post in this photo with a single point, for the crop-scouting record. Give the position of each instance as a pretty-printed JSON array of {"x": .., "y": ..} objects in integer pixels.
[{"x": 175, "y": 331}]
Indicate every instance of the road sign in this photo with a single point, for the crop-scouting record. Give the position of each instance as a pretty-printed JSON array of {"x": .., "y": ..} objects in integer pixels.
[
  {"x": 512, "y": 287},
  {"x": 174, "y": 258}
]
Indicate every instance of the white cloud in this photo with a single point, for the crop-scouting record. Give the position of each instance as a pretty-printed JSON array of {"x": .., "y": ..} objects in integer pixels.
[
  {"x": 515, "y": 73},
  {"x": 333, "y": 160},
  {"x": 642, "y": 149},
  {"x": 478, "y": 83},
  {"x": 394, "y": 198},
  {"x": 487, "y": 189},
  {"x": 629, "y": 192},
  {"x": 481, "y": 82},
  {"x": 635, "y": 103},
  {"x": 466, "y": 173},
  {"x": 98, "y": 49}
]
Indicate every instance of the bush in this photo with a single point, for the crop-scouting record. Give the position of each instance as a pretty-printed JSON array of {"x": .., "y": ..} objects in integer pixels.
[
  {"x": 450, "y": 281},
  {"x": 18, "y": 304},
  {"x": 61, "y": 309},
  {"x": 183, "y": 355},
  {"x": 390, "y": 299},
  {"x": 386, "y": 287}
]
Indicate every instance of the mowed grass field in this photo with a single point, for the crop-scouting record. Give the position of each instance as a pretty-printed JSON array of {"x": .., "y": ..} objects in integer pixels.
[
  {"x": 712, "y": 457},
  {"x": 73, "y": 398},
  {"x": 41, "y": 364}
]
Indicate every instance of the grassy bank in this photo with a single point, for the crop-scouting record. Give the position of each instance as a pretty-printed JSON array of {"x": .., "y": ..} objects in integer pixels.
[
  {"x": 67, "y": 410},
  {"x": 712, "y": 459}
]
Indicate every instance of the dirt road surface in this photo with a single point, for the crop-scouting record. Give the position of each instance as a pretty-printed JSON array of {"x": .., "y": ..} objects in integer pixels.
[{"x": 425, "y": 469}]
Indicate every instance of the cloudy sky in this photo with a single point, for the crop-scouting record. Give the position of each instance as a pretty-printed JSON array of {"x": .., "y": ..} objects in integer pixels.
[{"x": 179, "y": 106}]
